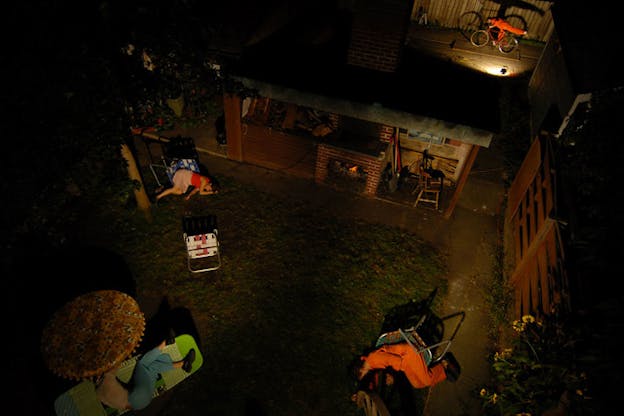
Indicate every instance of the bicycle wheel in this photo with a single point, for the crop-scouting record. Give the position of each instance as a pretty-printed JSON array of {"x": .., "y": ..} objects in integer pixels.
[
  {"x": 507, "y": 44},
  {"x": 516, "y": 21},
  {"x": 480, "y": 38},
  {"x": 468, "y": 23},
  {"x": 371, "y": 404}
]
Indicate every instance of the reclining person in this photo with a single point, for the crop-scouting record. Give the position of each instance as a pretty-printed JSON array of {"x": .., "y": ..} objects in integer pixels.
[
  {"x": 183, "y": 179},
  {"x": 405, "y": 358},
  {"x": 143, "y": 383}
]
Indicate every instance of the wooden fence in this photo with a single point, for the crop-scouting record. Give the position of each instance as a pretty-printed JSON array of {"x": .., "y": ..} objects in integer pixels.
[
  {"x": 446, "y": 13},
  {"x": 533, "y": 238}
]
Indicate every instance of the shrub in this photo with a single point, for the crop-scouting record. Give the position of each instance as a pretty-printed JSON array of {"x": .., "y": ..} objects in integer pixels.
[{"x": 537, "y": 372}]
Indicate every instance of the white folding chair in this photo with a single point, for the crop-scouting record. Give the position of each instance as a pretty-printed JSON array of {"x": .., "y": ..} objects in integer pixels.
[{"x": 202, "y": 243}]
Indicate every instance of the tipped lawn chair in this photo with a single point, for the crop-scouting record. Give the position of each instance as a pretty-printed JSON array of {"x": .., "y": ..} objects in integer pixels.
[
  {"x": 176, "y": 153},
  {"x": 202, "y": 243},
  {"x": 415, "y": 324}
]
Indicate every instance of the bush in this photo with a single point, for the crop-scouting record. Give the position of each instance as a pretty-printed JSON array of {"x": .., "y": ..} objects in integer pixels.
[{"x": 538, "y": 371}]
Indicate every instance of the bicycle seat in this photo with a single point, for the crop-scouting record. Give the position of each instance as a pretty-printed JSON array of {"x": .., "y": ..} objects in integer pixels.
[{"x": 435, "y": 173}]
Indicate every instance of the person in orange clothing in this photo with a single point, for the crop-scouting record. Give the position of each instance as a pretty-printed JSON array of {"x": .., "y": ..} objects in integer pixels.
[
  {"x": 502, "y": 25},
  {"x": 405, "y": 358}
]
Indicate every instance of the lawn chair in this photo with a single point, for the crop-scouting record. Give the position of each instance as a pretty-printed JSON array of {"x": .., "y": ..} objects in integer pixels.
[
  {"x": 176, "y": 153},
  {"x": 413, "y": 323},
  {"x": 416, "y": 324},
  {"x": 83, "y": 399},
  {"x": 202, "y": 243}
]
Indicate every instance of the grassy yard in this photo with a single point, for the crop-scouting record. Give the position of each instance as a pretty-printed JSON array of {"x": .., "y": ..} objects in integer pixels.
[{"x": 299, "y": 295}]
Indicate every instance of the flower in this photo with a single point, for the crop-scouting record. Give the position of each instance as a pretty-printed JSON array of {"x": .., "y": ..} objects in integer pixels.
[
  {"x": 147, "y": 62},
  {"x": 506, "y": 353},
  {"x": 128, "y": 50},
  {"x": 529, "y": 377}
]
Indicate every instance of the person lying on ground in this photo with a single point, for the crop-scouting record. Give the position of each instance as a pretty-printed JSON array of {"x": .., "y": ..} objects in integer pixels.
[
  {"x": 143, "y": 383},
  {"x": 183, "y": 179},
  {"x": 405, "y": 358}
]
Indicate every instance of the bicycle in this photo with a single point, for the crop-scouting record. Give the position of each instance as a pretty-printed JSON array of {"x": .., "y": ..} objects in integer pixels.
[{"x": 502, "y": 32}]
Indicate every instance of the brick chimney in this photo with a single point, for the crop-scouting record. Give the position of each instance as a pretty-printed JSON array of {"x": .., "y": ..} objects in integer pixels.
[{"x": 378, "y": 33}]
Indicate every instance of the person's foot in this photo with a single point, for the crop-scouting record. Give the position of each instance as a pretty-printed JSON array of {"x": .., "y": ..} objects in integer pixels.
[
  {"x": 451, "y": 367},
  {"x": 188, "y": 361}
]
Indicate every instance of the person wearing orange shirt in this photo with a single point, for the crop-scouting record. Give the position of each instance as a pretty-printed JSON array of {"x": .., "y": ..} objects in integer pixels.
[
  {"x": 502, "y": 25},
  {"x": 405, "y": 358}
]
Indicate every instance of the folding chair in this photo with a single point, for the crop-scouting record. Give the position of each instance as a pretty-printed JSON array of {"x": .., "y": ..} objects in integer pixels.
[
  {"x": 176, "y": 152},
  {"x": 416, "y": 324},
  {"x": 202, "y": 243},
  {"x": 430, "y": 182},
  {"x": 84, "y": 399},
  {"x": 430, "y": 187}
]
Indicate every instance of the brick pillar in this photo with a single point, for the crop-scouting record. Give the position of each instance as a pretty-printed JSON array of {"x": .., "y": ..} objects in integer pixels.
[
  {"x": 373, "y": 177},
  {"x": 378, "y": 33},
  {"x": 322, "y": 160}
]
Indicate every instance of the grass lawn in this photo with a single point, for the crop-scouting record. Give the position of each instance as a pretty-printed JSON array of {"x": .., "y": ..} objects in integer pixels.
[{"x": 299, "y": 295}]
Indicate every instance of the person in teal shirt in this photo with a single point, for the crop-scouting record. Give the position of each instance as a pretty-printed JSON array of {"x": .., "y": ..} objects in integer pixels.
[{"x": 146, "y": 373}]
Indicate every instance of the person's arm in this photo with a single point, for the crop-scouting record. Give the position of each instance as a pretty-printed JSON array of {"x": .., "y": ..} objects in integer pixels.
[
  {"x": 204, "y": 183},
  {"x": 380, "y": 359},
  {"x": 193, "y": 192}
]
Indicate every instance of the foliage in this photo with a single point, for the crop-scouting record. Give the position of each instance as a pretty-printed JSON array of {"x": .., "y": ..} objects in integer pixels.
[
  {"x": 157, "y": 73},
  {"x": 499, "y": 295},
  {"x": 69, "y": 124},
  {"x": 588, "y": 158},
  {"x": 537, "y": 372},
  {"x": 569, "y": 361}
]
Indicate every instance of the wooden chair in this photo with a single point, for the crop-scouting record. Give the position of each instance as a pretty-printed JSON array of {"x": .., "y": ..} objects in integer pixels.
[{"x": 431, "y": 185}]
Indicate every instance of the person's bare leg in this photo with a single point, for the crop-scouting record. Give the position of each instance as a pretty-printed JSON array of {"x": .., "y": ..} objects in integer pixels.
[{"x": 169, "y": 191}]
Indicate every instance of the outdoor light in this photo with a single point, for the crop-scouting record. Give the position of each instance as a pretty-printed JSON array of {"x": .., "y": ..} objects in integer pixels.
[{"x": 497, "y": 70}]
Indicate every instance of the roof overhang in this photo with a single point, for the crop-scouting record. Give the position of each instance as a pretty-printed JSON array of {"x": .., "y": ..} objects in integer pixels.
[{"x": 375, "y": 113}]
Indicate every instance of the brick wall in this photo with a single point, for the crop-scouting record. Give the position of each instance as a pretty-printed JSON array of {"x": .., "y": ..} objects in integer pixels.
[
  {"x": 378, "y": 33},
  {"x": 371, "y": 165},
  {"x": 386, "y": 133}
]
